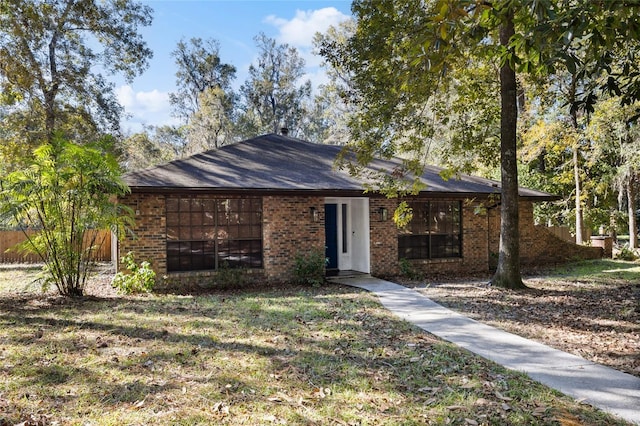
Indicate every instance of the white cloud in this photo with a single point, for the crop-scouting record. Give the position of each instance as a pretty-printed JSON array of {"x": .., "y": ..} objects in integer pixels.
[
  {"x": 299, "y": 31},
  {"x": 317, "y": 76},
  {"x": 151, "y": 108}
]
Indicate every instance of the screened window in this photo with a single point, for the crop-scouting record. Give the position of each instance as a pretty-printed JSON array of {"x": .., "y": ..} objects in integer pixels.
[
  {"x": 210, "y": 233},
  {"x": 435, "y": 231}
]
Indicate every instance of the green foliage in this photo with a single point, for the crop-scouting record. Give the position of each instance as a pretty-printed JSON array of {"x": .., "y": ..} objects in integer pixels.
[
  {"x": 416, "y": 68},
  {"x": 51, "y": 54},
  {"x": 228, "y": 277},
  {"x": 403, "y": 214},
  {"x": 335, "y": 111},
  {"x": 65, "y": 194},
  {"x": 146, "y": 149},
  {"x": 309, "y": 268},
  {"x": 140, "y": 278},
  {"x": 209, "y": 127},
  {"x": 469, "y": 135},
  {"x": 204, "y": 99},
  {"x": 408, "y": 270},
  {"x": 547, "y": 156},
  {"x": 626, "y": 253},
  {"x": 274, "y": 95},
  {"x": 199, "y": 69}
]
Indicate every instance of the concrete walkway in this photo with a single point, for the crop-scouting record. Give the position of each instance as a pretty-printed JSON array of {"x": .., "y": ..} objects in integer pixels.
[{"x": 603, "y": 387}]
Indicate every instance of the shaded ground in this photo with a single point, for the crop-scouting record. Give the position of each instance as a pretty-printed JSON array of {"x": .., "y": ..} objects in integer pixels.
[
  {"x": 294, "y": 355},
  {"x": 590, "y": 309}
]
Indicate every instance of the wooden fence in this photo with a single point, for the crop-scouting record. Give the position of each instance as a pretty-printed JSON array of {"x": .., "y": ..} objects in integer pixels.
[{"x": 9, "y": 239}]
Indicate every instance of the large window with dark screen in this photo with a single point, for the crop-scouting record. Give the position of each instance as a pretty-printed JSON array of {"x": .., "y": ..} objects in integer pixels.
[
  {"x": 435, "y": 231},
  {"x": 207, "y": 233}
]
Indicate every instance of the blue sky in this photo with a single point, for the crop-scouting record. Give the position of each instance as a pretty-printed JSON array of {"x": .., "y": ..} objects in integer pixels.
[{"x": 234, "y": 23}]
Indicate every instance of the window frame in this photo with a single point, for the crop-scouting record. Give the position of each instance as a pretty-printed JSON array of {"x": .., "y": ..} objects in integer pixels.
[
  {"x": 207, "y": 233},
  {"x": 422, "y": 240}
]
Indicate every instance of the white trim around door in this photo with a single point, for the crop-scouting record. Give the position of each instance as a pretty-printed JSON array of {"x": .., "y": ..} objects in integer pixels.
[{"x": 352, "y": 233}]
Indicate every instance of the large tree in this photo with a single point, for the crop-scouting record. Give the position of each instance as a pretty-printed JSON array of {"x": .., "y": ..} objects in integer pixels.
[
  {"x": 329, "y": 96},
  {"x": 211, "y": 126},
  {"x": 274, "y": 95},
  {"x": 618, "y": 144},
  {"x": 546, "y": 156},
  {"x": 148, "y": 148},
  {"x": 52, "y": 57},
  {"x": 204, "y": 100},
  {"x": 403, "y": 51},
  {"x": 560, "y": 157},
  {"x": 398, "y": 58}
]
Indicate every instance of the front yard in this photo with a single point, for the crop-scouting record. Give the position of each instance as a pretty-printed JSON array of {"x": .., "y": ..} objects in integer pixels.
[
  {"x": 590, "y": 309},
  {"x": 295, "y": 355}
]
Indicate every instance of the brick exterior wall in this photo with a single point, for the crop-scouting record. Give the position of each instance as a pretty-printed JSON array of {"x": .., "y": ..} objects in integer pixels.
[
  {"x": 289, "y": 230},
  {"x": 150, "y": 230},
  {"x": 493, "y": 236},
  {"x": 475, "y": 249},
  {"x": 383, "y": 238},
  {"x": 481, "y": 241},
  {"x": 538, "y": 246}
]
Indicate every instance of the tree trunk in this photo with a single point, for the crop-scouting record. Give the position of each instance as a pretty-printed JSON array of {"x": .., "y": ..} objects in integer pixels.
[
  {"x": 576, "y": 165},
  {"x": 507, "y": 274},
  {"x": 579, "y": 215},
  {"x": 51, "y": 92},
  {"x": 632, "y": 201}
]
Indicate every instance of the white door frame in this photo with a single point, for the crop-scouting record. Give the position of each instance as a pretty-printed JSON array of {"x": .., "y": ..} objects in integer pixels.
[{"x": 353, "y": 233}]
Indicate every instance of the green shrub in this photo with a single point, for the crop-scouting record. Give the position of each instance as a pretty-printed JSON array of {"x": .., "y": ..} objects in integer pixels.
[
  {"x": 228, "y": 277},
  {"x": 408, "y": 270},
  {"x": 140, "y": 278},
  {"x": 309, "y": 268},
  {"x": 65, "y": 192},
  {"x": 626, "y": 253}
]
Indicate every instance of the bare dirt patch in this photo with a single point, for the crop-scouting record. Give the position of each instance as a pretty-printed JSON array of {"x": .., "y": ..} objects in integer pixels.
[
  {"x": 22, "y": 280},
  {"x": 591, "y": 313}
]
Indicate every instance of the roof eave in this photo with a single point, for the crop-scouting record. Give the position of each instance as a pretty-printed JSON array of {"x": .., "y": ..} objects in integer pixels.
[{"x": 326, "y": 192}]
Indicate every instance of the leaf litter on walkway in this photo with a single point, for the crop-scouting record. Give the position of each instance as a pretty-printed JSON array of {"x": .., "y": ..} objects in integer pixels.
[{"x": 591, "y": 310}]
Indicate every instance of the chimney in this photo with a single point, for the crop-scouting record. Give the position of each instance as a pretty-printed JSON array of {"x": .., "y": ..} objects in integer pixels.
[{"x": 284, "y": 131}]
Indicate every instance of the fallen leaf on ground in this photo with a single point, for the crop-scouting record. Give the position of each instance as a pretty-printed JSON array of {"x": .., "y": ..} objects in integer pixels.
[{"x": 221, "y": 407}]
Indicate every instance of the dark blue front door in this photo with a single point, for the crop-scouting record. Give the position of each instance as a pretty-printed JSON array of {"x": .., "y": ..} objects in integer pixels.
[{"x": 331, "y": 235}]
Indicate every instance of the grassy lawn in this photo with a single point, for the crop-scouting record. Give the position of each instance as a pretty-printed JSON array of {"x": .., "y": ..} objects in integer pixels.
[
  {"x": 293, "y": 355},
  {"x": 600, "y": 272}
]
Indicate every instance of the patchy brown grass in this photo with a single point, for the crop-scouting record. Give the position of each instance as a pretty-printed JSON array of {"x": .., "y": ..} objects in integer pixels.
[
  {"x": 590, "y": 309},
  {"x": 292, "y": 355}
]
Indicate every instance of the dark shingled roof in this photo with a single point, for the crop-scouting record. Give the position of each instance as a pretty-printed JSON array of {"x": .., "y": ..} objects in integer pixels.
[{"x": 276, "y": 163}]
